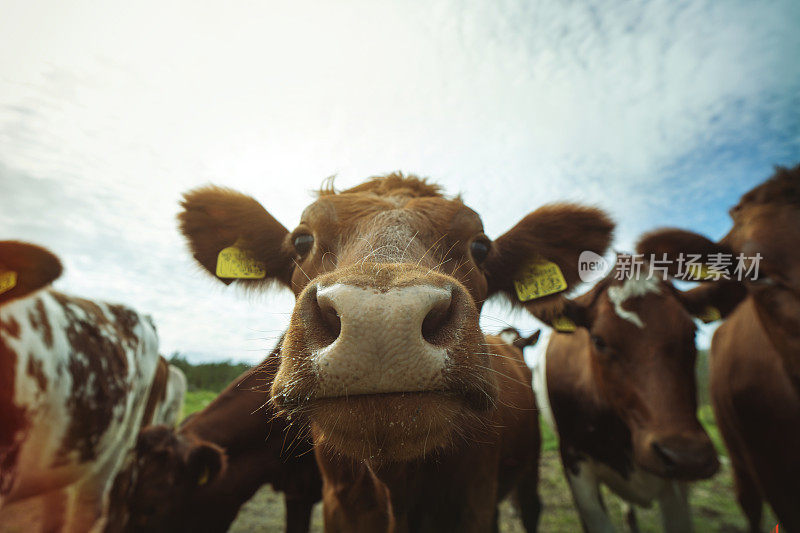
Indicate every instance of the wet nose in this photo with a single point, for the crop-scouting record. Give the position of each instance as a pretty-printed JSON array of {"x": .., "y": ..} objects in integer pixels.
[{"x": 367, "y": 340}]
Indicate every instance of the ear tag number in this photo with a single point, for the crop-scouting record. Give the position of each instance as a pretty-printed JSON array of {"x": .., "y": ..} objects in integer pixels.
[
  {"x": 8, "y": 280},
  {"x": 563, "y": 324},
  {"x": 710, "y": 314},
  {"x": 538, "y": 279},
  {"x": 203, "y": 479},
  {"x": 238, "y": 263}
]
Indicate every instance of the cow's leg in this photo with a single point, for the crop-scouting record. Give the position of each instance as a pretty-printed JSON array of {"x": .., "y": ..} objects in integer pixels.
[
  {"x": 298, "y": 513},
  {"x": 585, "y": 490},
  {"x": 674, "y": 504},
  {"x": 748, "y": 496},
  {"x": 629, "y": 512},
  {"x": 528, "y": 503}
]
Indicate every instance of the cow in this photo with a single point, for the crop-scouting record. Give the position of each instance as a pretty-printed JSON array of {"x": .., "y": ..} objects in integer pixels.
[
  {"x": 196, "y": 477},
  {"x": 384, "y": 353},
  {"x": 755, "y": 353},
  {"x": 617, "y": 385},
  {"x": 165, "y": 403},
  {"x": 74, "y": 377}
]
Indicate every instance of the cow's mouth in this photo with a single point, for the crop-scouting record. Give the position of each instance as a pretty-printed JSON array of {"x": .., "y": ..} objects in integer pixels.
[{"x": 396, "y": 426}]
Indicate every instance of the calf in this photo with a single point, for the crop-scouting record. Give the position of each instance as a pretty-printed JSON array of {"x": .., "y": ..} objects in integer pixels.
[
  {"x": 619, "y": 390},
  {"x": 197, "y": 477},
  {"x": 384, "y": 353},
  {"x": 74, "y": 377},
  {"x": 755, "y": 354}
]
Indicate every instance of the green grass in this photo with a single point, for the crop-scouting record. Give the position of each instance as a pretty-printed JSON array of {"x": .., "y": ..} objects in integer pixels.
[{"x": 197, "y": 401}]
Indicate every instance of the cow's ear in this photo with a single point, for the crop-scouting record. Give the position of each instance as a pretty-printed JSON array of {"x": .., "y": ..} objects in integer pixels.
[
  {"x": 573, "y": 315},
  {"x": 530, "y": 340},
  {"x": 233, "y": 237},
  {"x": 713, "y": 301},
  {"x": 552, "y": 237},
  {"x": 205, "y": 463},
  {"x": 25, "y": 268},
  {"x": 673, "y": 243}
]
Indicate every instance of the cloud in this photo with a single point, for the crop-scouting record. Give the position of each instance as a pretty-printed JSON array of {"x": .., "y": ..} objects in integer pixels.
[{"x": 662, "y": 113}]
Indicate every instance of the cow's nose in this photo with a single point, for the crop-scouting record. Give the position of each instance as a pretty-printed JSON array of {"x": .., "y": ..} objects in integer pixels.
[
  {"x": 367, "y": 340},
  {"x": 421, "y": 310},
  {"x": 684, "y": 457}
]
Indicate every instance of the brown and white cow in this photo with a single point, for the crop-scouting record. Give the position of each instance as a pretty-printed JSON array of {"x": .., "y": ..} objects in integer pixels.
[
  {"x": 755, "y": 354},
  {"x": 74, "y": 377},
  {"x": 197, "y": 477},
  {"x": 384, "y": 353},
  {"x": 620, "y": 393}
]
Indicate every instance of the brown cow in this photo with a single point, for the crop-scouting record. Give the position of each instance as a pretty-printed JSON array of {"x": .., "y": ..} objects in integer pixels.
[
  {"x": 755, "y": 354},
  {"x": 358, "y": 497},
  {"x": 197, "y": 477},
  {"x": 384, "y": 353},
  {"x": 620, "y": 393}
]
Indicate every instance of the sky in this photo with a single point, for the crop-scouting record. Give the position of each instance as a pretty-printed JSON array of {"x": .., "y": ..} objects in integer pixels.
[{"x": 661, "y": 112}]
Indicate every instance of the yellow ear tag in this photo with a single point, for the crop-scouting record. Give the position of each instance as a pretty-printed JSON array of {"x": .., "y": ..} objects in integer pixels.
[
  {"x": 698, "y": 272},
  {"x": 8, "y": 280},
  {"x": 563, "y": 324},
  {"x": 710, "y": 314},
  {"x": 237, "y": 262},
  {"x": 539, "y": 278},
  {"x": 203, "y": 479}
]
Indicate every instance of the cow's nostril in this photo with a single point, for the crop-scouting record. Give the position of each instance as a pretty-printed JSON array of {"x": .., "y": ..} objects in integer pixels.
[
  {"x": 667, "y": 456},
  {"x": 435, "y": 324},
  {"x": 330, "y": 318},
  {"x": 328, "y": 321}
]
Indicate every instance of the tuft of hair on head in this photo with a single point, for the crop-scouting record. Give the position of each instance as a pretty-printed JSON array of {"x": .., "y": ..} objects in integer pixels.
[
  {"x": 328, "y": 187},
  {"x": 396, "y": 184}
]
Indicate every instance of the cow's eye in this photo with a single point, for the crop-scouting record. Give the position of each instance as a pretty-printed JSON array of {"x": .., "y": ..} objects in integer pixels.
[
  {"x": 599, "y": 343},
  {"x": 303, "y": 243},
  {"x": 479, "y": 251}
]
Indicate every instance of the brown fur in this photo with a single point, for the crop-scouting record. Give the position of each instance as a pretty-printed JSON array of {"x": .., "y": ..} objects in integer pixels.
[
  {"x": 158, "y": 391},
  {"x": 767, "y": 221},
  {"x": 755, "y": 356},
  {"x": 36, "y": 268},
  {"x": 758, "y": 411},
  {"x": 456, "y": 489},
  {"x": 239, "y": 446},
  {"x": 616, "y": 389},
  {"x": 391, "y": 232}
]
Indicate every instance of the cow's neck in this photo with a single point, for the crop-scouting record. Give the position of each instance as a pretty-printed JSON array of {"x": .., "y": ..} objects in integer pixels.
[
  {"x": 779, "y": 315},
  {"x": 240, "y": 421},
  {"x": 468, "y": 480}
]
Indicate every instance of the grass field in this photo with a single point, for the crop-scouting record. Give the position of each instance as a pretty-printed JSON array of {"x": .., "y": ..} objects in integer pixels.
[{"x": 713, "y": 501}]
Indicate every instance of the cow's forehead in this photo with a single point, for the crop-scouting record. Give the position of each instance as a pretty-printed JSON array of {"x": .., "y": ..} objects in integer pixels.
[
  {"x": 647, "y": 301},
  {"x": 350, "y": 210}
]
